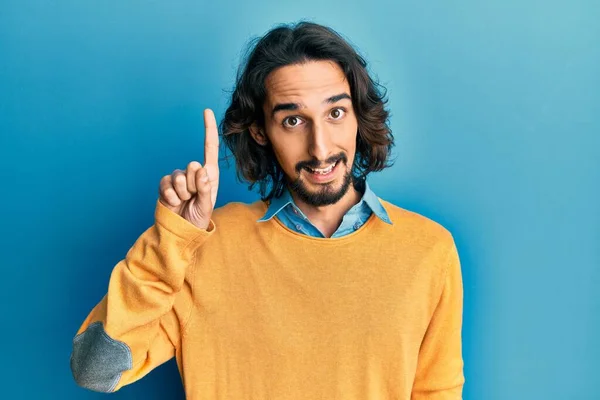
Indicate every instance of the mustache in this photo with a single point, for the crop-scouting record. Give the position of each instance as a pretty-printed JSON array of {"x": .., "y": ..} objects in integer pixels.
[{"x": 314, "y": 163}]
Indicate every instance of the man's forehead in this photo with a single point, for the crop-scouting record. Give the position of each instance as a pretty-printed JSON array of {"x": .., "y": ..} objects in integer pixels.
[{"x": 317, "y": 79}]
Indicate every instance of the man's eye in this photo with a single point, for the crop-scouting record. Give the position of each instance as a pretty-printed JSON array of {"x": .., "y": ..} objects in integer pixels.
[
  {"x": 291, "y": 122},
  {"x": 337, "y": 113}
]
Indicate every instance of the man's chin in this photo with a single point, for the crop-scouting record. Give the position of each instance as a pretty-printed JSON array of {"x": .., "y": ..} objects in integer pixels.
[{"x": 320, "y": 194}]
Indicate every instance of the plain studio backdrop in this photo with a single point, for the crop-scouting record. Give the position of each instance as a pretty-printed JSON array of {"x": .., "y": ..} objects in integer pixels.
[{"x": 495, "y": 108}]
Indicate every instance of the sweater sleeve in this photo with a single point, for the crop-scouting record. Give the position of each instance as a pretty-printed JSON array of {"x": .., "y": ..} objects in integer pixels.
[
  {"x": 138, "y": 324},
  {"x": 439, "y": 373}
]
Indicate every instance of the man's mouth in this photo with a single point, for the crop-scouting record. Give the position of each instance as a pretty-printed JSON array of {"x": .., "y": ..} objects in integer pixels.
[{"x": 323, "y": 171}]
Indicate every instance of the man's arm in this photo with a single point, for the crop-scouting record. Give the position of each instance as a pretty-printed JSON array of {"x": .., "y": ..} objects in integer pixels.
[
  {"x": 139, "y": 323},
  {"x": 440, "y": 366},
  {"x": 136, "y": 327}
]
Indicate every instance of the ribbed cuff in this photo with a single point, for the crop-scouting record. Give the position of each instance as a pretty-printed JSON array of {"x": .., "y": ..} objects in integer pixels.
[{"x": 179, "y": 226}]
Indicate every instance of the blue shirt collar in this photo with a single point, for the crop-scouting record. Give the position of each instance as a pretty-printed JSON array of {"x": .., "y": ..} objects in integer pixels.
[
  {"x": 369, "y": 197},
  {"x": 375, "y": 205},
  {"x": 277, "y": 204}
]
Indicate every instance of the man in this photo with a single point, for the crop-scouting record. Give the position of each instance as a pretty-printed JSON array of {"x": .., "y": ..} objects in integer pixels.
[{"x": 321, "y": 290}]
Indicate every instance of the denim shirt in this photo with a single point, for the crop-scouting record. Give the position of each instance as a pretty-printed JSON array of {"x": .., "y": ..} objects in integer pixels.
[{"x": 291, "y": 216}]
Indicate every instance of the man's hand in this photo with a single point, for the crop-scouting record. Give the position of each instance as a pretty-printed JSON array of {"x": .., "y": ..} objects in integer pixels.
[{"x": 193, "y": 193}]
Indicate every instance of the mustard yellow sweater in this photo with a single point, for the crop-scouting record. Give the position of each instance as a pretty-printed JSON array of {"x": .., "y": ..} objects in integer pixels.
[{"x": 256, "y": 311}]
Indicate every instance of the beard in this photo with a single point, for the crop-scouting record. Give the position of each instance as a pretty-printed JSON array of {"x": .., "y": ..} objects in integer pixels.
[{"x": 326, "y": 194}]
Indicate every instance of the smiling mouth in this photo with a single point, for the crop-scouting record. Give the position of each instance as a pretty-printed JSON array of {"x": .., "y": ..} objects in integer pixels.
[{"x": 323, "y": 171}]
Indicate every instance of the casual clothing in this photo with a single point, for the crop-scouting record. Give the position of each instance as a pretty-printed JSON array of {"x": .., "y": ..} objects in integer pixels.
[
  {"x": 254, "y": 310},
  {"x": 291, "y": 216}
]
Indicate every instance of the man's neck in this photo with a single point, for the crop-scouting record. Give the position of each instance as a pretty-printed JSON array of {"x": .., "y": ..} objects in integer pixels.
[{"x": 328, "y": 218}]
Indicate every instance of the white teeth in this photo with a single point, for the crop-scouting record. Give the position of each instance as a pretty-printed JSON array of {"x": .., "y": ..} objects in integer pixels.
[{"x": 324, "y": 170}]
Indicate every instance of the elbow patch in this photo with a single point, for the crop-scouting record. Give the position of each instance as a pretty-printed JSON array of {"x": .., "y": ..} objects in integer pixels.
[{"x": 97, "y": 360}]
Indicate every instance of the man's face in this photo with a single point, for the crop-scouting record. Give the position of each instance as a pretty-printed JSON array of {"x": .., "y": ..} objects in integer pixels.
[{"x": 310, "y": 122}]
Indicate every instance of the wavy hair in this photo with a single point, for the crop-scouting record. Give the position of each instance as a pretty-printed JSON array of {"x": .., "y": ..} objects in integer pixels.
[{"x": 296, "y": 44}]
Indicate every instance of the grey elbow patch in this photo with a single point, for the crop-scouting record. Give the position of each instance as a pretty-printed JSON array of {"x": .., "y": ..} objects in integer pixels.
[{"x": 97, "y": 360}]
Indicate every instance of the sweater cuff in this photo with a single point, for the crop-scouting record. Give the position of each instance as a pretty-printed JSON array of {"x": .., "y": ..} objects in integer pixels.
[{"x": 179, "y": 226}]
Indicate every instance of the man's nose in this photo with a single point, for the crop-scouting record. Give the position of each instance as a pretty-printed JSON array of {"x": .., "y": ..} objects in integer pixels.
[{"x": 320, "y": 146}]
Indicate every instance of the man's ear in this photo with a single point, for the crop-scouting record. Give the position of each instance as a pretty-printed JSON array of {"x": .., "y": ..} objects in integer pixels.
[{"x": 258, "y": 134}]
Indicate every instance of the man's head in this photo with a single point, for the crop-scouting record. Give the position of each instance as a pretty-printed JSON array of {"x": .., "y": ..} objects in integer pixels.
[{"x": 305, "y": 113}]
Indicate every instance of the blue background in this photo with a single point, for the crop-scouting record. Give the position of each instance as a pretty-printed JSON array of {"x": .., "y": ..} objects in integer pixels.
[{"x": 495, "y": 108}]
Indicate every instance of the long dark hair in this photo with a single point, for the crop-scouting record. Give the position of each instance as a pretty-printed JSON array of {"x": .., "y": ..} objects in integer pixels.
[{"x": 295, "y": 44}]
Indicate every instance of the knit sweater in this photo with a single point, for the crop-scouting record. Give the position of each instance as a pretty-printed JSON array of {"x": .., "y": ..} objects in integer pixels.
[{"x": 256, "y": 311}]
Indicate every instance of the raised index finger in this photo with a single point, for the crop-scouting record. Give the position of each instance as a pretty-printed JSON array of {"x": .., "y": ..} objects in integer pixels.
[{"x": 211, "y": 138}]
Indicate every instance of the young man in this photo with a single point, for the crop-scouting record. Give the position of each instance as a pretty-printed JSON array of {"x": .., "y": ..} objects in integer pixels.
[{"x": 321, "y": 290}]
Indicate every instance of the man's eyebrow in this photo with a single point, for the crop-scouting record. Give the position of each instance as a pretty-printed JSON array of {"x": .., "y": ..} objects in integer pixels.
[
  {"x": 338, "y": 97},
  {"x": 283, "y": 107},
  {"x": 296, "y": 106}
]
